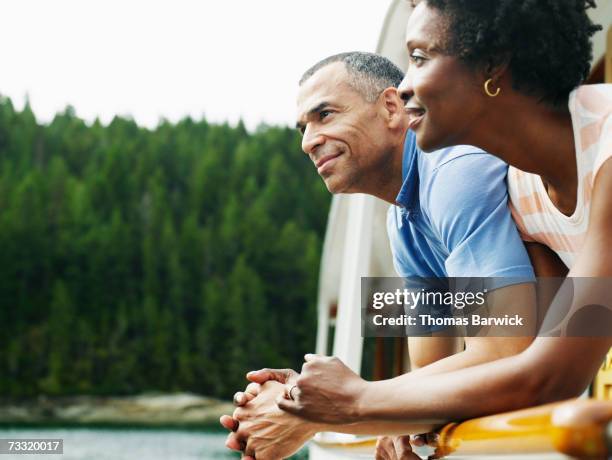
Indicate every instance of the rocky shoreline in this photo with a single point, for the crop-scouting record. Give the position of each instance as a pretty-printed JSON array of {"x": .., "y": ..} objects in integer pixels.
[{"x": 183, "y": 409}]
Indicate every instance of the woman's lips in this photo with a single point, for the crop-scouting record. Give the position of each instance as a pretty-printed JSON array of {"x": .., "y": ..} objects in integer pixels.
[{"x": 415, "y": 116}]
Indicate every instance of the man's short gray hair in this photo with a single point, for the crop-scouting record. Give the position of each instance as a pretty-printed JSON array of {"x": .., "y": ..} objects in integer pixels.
[{"x": 369, "y": 73}]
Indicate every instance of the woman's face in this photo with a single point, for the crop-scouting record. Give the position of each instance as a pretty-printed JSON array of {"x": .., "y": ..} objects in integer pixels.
[{"x": 443, "y": 97}]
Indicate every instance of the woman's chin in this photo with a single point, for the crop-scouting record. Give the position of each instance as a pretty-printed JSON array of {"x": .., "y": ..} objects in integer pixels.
[{"x": 427, "y": 145}]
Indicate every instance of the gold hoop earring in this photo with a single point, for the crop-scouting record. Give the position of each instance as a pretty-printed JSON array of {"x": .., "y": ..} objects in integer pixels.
[{"x": 488, "y": 91}]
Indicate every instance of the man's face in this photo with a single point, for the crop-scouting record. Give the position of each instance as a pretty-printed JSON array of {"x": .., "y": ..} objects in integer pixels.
[
  {"x": 443, "y": 96},
  {"x": 345, "y": 136}
]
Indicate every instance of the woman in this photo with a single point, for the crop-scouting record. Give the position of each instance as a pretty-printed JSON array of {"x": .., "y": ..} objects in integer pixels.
[{"x": 504, "y": 75}]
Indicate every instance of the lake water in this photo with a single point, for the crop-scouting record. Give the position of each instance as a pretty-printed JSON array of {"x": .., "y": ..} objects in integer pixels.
[
  {"x": 127, "y": 444},
  {"x": 157, "y": 444}
]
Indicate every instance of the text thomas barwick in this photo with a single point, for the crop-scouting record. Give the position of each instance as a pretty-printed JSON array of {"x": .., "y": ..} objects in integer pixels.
[{"x": 428, "y": 320}]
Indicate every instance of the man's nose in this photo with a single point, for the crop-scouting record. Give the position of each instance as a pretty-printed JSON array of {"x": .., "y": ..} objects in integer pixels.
[
  {"x": 311, "y": 141},
  {"x": 405, "y": 89}
]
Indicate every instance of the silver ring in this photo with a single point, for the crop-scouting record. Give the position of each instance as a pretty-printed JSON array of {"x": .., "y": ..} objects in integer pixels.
[{"x": 291, "y": 392}]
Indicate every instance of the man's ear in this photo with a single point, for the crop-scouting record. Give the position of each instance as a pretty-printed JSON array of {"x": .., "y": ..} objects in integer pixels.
[{"x": 393, "y": 107}]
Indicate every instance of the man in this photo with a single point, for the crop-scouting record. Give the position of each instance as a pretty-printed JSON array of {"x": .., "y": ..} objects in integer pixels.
[{"x": 446, "y": 222}]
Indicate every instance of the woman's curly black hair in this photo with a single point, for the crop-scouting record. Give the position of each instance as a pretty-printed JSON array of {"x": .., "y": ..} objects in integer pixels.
[{"x": 547, "y": 42}]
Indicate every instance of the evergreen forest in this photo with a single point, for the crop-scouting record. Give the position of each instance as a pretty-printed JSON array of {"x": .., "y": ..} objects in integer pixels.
[{"x": 166, "y": 259}]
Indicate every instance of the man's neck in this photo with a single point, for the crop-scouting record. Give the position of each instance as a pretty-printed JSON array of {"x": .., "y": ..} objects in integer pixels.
[{"x": 390, "y": 181}]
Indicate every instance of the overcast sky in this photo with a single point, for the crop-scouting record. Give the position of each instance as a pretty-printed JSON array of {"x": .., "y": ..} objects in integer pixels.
[{"x": 151, "y": 59}]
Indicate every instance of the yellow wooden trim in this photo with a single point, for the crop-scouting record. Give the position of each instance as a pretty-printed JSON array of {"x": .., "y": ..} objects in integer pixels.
[
  {"x": 576, "y": 428},
  {"x": 495, "y": 434},
  {"x": 356, "y": 444},
  {"x": 602, "y": 386}
]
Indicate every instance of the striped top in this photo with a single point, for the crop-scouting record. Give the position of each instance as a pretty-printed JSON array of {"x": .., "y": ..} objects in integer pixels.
[{"x": 536, "y": 216}]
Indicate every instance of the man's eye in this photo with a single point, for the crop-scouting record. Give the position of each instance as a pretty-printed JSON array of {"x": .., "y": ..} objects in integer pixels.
[{"x": 324, "y": 113}]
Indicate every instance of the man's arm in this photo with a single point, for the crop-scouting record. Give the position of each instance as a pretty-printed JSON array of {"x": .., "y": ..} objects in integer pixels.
[
  {"x": 517, "y": 299},
  {"x": 474, "y": 225},
  {"x": 424, "y": 351},
  {"x": 546, "y": 264},
  {"x": 481, "y": 240}
]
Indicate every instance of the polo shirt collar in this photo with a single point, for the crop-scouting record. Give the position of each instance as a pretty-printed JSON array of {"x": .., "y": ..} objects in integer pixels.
[{"x": 408, "y": 196}]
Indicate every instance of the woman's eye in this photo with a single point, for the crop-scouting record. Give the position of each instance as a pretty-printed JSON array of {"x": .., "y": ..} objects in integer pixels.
[{"x": 417, "y": 57}]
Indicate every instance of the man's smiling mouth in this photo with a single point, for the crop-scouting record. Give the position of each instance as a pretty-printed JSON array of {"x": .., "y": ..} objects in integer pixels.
[{"x": 322, "y": 161}]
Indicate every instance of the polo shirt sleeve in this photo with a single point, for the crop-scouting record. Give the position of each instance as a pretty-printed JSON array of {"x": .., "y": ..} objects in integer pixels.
[
  {"x": 468, "y": 205},
  {"x": 403, "y": 256},
  {"x": 393, "y": 225}
]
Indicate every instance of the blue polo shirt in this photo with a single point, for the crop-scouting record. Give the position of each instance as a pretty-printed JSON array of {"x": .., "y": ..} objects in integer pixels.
[{"x": 452, "y": 218}]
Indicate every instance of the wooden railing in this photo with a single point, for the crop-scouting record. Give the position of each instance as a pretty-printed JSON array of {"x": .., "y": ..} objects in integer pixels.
[{"x": 577, "y": 428}]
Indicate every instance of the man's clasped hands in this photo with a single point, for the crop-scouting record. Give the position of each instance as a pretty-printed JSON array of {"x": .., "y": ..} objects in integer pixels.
[{"x": 280, "y": 410}]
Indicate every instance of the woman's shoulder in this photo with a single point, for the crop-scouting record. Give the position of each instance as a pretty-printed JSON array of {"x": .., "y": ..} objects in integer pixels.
[
  {"x": 599, "y": 88},
  {"x": 591, "y": 111},
  {"x": 593, "y": 100}
]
